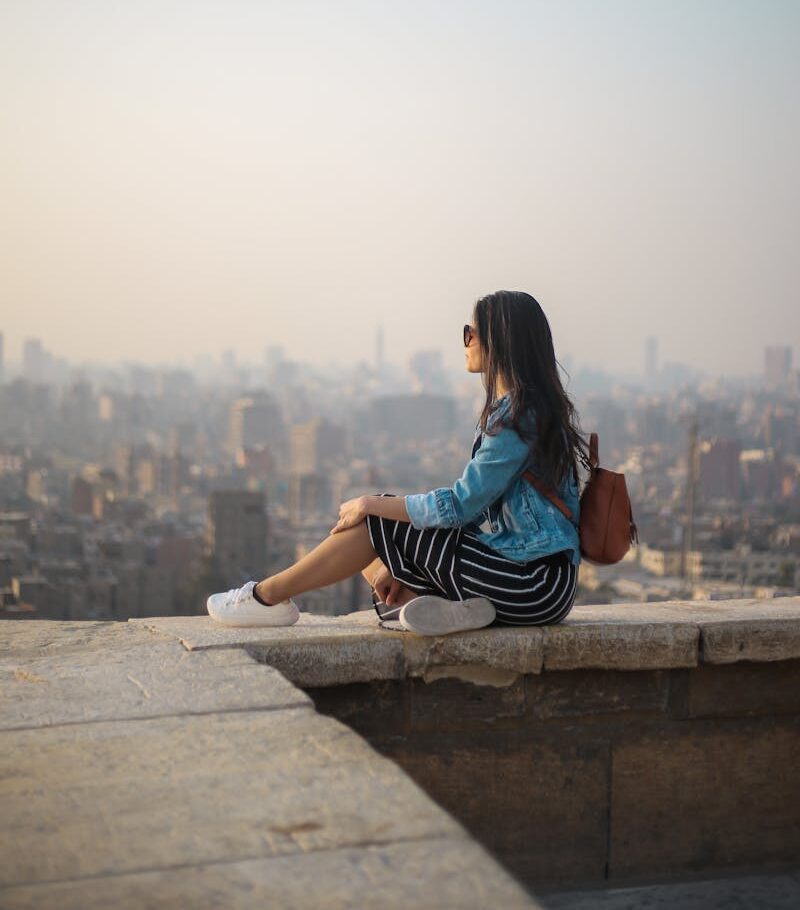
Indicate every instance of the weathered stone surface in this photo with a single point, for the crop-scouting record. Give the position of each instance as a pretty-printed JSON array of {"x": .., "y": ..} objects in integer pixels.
[
  {"x": 539, "y": 803},
  {"x": 335, "y": 662},
  {"x": 517, "y": 749},
  {"x": 324, "y": 650},
  {"x": 619, "y": 645},
  {"x": 583, "y": 693},
  {"x": 202, "y": 632},
  {"x": 660, "y": 611},
  {"x": 731, "y": 630},
  {"x": 444, "y": 873},
  {"x": 510, "y": 652},
  {"x": 451, "y": 704},
  {"x": 371, "y": 709},
  {"x": 729, "y": 690},
  {"x": 765, "y": 639},
  {"x": 159, "y": 678},
  {"x": 706, "y": 797},
  {"x": 42, "y": 637},
  {"x": 122, "y": 796}
]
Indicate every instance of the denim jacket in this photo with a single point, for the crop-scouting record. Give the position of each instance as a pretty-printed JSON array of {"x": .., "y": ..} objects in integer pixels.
[{"x": 493, "y": 501}]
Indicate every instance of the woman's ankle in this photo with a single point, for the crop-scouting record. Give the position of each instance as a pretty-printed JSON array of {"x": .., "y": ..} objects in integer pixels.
[{"x": 261, "y": 595}]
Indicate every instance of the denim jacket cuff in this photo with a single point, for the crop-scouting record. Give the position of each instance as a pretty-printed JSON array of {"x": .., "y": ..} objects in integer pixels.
[{"x": 431, "y": 510}]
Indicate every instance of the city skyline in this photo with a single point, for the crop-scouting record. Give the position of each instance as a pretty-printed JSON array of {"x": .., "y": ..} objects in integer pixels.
[{"x": 776, "y": 363}]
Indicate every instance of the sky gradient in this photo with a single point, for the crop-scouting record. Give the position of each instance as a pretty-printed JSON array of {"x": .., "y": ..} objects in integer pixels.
[{"x": 182, "y": 177}]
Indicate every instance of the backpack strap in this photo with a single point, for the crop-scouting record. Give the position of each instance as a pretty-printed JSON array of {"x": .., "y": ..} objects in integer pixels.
[{"x": 557, "y": 501}]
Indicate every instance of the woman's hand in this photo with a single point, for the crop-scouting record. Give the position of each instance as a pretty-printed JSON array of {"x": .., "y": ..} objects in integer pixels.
[
  {"x": 386, "y": 586},
  {"x": 351, "y": 513}
]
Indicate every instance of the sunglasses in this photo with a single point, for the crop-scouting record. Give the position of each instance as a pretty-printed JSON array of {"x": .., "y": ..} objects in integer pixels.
[{"x": 469, "y": 334}]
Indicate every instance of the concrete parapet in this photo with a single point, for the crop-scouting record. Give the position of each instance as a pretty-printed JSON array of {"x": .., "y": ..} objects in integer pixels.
[
  {"x": 137, "y": 773},
  {"x": 335, "y": 763}
]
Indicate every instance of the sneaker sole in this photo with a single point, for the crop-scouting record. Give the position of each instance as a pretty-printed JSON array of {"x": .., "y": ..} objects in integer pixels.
[
  {"x": 430, "y": 615},
  {"x": 279, "y": 615}
]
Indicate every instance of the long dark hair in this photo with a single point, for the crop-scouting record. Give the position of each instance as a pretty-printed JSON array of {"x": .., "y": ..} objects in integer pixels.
[{"x": 517, "y": 346}]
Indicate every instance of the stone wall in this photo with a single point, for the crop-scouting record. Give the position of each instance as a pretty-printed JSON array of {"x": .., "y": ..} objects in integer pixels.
[
  {"x": 578, "y": 776},
  {"x": 630, "y": 743}
]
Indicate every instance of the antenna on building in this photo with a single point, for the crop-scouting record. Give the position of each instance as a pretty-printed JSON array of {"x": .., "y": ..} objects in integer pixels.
[{"x": 692, "y": 464}]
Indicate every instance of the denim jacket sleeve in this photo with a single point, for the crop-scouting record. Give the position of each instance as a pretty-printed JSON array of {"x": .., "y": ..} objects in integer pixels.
[{"x": 498, "y": 461}]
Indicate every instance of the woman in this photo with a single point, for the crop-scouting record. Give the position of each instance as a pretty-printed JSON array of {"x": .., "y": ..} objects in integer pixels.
[{"x": 491, "y": 548}]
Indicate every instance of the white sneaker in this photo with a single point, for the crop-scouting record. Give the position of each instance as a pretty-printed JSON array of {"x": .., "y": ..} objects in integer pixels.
[
  {"x": 238, "y": 607},
  {"x": 431, "y": 615}
]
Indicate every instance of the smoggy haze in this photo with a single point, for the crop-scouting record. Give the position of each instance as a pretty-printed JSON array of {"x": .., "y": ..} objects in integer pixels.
[{"x": 178, "y": 178}]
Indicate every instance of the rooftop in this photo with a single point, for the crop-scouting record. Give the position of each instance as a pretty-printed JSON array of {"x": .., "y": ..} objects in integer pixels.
[{"x": 171, "y": 761}]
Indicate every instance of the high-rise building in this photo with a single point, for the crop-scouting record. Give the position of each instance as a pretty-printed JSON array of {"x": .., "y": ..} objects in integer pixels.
[
  {"x": 316, "y": 444},
  {"x": 310, "y": 496},
  {"x": 720, "y": 472},
  {"x": 253, "y": 421},
  {"x": 777, "y": 365},
  {"x": 781, "y": 428},
  {"x": 236, "y": 534}
]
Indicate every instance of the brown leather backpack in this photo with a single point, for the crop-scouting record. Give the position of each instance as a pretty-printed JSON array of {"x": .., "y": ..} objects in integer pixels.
[{"x": 606, "y": 527}]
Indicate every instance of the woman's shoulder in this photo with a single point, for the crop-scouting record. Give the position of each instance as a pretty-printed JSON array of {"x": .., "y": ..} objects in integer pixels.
[{"x": 502, "y": 416}]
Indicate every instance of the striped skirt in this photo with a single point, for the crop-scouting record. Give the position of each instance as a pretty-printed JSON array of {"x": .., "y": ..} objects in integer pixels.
[{"x": 453, "y": 563}]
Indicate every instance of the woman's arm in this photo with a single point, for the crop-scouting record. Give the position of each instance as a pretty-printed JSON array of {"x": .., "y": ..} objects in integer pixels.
[
  {"x": 387, "y": 507},
  {"x": 500, "y": 459}
]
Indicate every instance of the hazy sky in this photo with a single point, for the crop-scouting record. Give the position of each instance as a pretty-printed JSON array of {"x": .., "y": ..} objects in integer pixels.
[{"x": 181, "y": 177}]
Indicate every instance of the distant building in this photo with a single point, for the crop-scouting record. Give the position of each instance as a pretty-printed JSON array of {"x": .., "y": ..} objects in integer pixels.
[
  {"x": 654, "y": 423},
  {"x": 743, "y": 566},
  {"x": 660, "y": 561},
  {"x": 763, "y": 473},
  {"x": 720, "y": 473},
  {"x": 310, "y": 496},
  {"x": 316, "y": 444},
  {"x": 81, "y": 497},
  {"x": 236, "y": 534},
  {"x": 781, "y": 427},
  {"x": 777, "y": 365},
  {"x": 253, "y": 421},
  {"x": 413, "y": 417}
]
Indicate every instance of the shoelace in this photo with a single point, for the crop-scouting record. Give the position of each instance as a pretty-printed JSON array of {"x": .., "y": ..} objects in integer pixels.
[{"x": 237, "y": 595}]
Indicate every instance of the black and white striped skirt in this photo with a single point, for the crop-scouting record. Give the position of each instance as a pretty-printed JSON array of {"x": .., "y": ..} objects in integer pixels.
[{"x": 453, "y": 563}]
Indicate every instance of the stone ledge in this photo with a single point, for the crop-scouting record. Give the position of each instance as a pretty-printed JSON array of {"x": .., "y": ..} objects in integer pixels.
[
  {"x": 139, "y": 773},
  {"x": 326, "y": 651},
  {"x": 151, "y": 680},
  {"x": 395, "y": 876}
]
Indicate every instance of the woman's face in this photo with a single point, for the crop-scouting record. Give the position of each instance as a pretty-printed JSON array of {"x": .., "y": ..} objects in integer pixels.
[{"x": 473, "y": 360}]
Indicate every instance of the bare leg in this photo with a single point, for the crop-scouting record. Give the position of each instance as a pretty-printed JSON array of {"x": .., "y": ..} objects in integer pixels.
[
  {"x": 339, "y": 556},
  {"x": 369, "y": 573}
]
